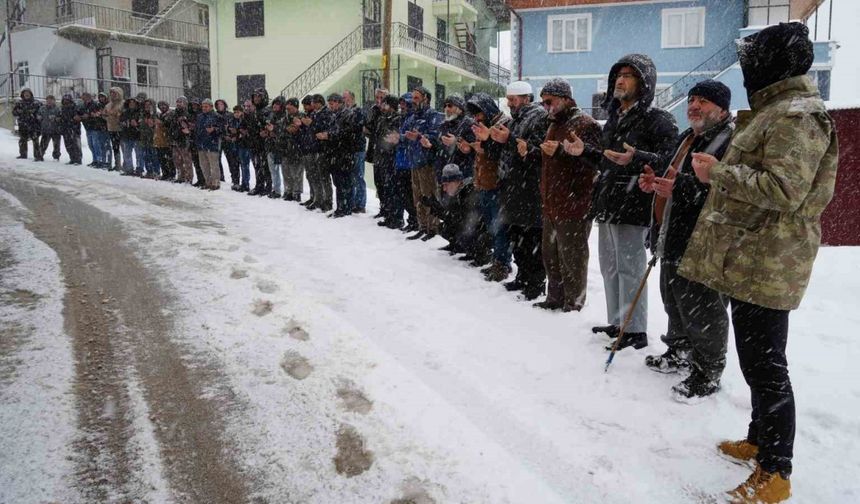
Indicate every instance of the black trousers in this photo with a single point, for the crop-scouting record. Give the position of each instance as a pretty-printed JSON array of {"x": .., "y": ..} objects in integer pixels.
[
  {"x": 232, "y": 163},
  {"x": 761, "y": 335},
  {"x": 195, "y": 160},
  {"x": 526, "y": 244},
  {"x": 115, "y": 147},
  {"x": 165, "y": 161},
  {"x": 72, "y": 141},
  {"x": 54, "y": 138},
  {"x": 401, "y": 196},
  {"x": 383, "y": 179},
  {"x": 341, "y": 175},
  {"x": 261, "y": 170},
  {"x": 24, "y": 137}
]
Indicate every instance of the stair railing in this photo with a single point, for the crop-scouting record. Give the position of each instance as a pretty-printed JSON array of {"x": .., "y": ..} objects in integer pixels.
[{"x": 725, "y": 57}]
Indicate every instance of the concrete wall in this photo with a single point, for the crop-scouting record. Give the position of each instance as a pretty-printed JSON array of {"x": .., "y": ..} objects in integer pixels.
[{"x": 169, "y": 61}]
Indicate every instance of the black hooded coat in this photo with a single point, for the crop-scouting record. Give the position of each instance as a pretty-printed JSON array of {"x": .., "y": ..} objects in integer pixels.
[{"x": 650, "y": 130}]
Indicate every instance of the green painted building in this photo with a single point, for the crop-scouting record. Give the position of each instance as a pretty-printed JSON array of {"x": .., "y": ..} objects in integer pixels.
[{"x": 297, "y": 47}]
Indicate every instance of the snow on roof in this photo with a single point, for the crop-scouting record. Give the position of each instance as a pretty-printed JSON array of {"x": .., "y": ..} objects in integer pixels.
[{"x": 843, "y": 104}]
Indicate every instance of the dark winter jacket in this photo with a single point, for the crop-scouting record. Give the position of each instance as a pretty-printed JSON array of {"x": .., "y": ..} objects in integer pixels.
[
  {"x": 370, "y": 127},
  {"x": 321, "y": 121},
  {"x": 70, "y": 116},
  {"x": 237, "y": 132},
  {"x": 426, "y": 121},
  {"x": 460, "y": 127},
  {"x": 147, "y": 125},
  {"x": 92, "y": 119},
  {"x": 274, "y": 137},
  {"x": 487, "y": 162},
  {"x": 260, "y": 98},
  {"x": 49, "y": 120},
  {"x": 208, "y": 140},
  {"x": 460, "y": 215},
  {"x": 567, "y": 181},
  {"x": 651, "y": 131},
  {"x": 26, "y": 112},
  {"x": 383, "y": 153},
  {"x": 291, "y": 144},
  {"x": 520, "y": 177},
  {"x": 176, "y": 121},
  {"x": 688, "y": 194},
  {"x": 358, "y": 118},
  {"x": 341, "y": 139},
  {"x": 129, "y": 120}
]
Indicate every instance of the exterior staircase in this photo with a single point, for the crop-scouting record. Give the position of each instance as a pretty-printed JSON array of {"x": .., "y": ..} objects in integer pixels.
[
  {"x": 157, "y": 19},
  {"x": 712, "y": 68},
  {"x": 464, "y": 36}
]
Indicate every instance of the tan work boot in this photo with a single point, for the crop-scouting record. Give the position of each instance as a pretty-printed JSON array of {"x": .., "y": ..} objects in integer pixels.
[
  {"x": 761, "y": 488},
  {"x": 741, "y": 450}
]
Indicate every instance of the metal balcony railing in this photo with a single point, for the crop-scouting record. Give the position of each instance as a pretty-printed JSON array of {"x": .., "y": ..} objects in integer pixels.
[
  {"x": 109, "y": 19},
  {"x": 369, "y": 36},
  {"x": 716, "y": 63},
  {"x": 43, "y": 85}
]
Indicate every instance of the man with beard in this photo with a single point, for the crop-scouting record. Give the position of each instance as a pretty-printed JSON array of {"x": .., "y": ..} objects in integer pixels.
[
  {"x": 319, "y": 121},
  {"x": 162, "y": 143},
  {"x": 370, "y": 128},
  {"x": 698, "y": 323},
  {"x": 194, "y": 111},
  {"x": 70, "y": 128},
  {"x": 566, "y": 184},
  {"x": 306, "y": 143},
  {"x": 358, "y": 148},
  {"x": 635, "y": 134},
  {"x": 259, "y": 156},
  {"x": 386, "y": 122},
  {"x": 519, "y": 181},
  {"x": 273, "y": 136},
  {"x": 292, "y": 164},
  {"x": 338, "y": 143},
  {"x": 417, "y": 135},
  {"x": 456, "y": 126},
  {"x": 487, "y": 115},
  {"x": 758, "y": 234},
  {"x": 179, "y": 131},
  {"x": 26, "y": 112}
]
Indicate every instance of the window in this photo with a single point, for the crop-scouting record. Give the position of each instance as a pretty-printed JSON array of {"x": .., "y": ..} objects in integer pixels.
[
  {"x": 120, "y": 68},
  {"x": 683, "y": 28},
  {"x": 569, "y": 33},
  {"x": 147, "y": 72},
  {"x": 821, "y": 79},
  {"x": 22, "y": 68},
  {"x": 250, "y": 19},
  {"x": 416, "y": 21},
  {"x": 246, "y": 84},
  {"x": 768, "y": 12},
  {"x": 144, "y": 8},
  {"x": 203, "y": 15}
]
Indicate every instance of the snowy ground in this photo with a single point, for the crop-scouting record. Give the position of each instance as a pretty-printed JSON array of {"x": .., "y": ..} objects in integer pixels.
[{"x": 337, "y": 336}]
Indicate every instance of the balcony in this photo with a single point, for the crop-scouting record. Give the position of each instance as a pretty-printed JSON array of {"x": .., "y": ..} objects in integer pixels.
[
  {"x": 85, "y": 19},
  {"x": 463, "y": 10}
]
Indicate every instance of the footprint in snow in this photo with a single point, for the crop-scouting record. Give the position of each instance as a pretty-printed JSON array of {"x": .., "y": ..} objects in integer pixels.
[
  {"x": 262, "y": 307},
  {"x": 414, "y": 492},
  {"x": 237, "y": 274},
  {"x": 295, "y": 365},
  {"x": 296, "y": 331},
  {"x": 352, "y": 398},
  {"x": 353, "y": 457},
  {"x": 267, "y": 286}
]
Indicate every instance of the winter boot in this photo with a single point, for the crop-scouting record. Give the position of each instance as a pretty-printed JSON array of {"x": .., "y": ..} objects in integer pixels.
[
  {"x": 548, "y": 305},
  {"x": 429, "y": 236},
  {"x": 497, "y": 272},
  {"x": 416, "y": 236},
  {"x": 514, "y": 285},
  {"x": 610, "y": 330},
  {"x": 410, "y": 227},
  {"x": 532, "y": 292},
  {"x": 672, "y": 361},
  {"x": 742, "y": 450},
  {"x": 695, "y": 388},
  {"x": 761, "y": 487},
  {"x": 637, "y": 340}
]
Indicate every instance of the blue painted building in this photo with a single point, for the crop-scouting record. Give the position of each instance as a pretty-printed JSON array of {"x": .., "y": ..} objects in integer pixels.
[{"x": 689, "y": 40}]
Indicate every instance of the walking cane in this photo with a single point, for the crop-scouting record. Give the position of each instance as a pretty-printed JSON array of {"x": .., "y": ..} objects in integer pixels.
[{"x": 630, "y": 313}]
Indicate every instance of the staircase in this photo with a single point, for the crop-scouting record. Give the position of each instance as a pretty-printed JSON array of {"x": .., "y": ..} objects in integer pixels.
[
  {"x": 464, "y": 36},
  {"x": 329, "y": 67},
  {"x": 712, "y": 68},
  {"x": 155, "y": 20}
]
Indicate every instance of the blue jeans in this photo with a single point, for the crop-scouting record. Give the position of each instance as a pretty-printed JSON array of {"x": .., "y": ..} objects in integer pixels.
[
  {"x": 244, "y": 155},
  {"x": 359, "y": 186},
  {"x": 94, "y": 145},
  {"x": 149, "y": 155},
  {"x": 102, "y": 139},
  {"x": 129, "y": 146},
  {"x": 489, "y": 202}
]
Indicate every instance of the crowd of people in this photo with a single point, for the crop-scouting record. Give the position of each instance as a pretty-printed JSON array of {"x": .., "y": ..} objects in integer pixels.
[{"x": 730, "y": 207}]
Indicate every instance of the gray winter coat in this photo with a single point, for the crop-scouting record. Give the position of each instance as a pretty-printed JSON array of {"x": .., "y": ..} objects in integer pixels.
[{"x": 49, "y": 118}]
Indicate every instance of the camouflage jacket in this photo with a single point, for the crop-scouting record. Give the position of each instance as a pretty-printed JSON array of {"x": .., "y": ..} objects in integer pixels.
[{"x": 759, "y": 231}]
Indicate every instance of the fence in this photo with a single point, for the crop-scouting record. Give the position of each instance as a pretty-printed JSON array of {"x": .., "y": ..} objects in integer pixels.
[
  {"x": 134, "y": 23},
  {"x": 42, "y": 86}
]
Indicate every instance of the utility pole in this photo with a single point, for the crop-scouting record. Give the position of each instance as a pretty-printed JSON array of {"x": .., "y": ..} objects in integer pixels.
[
  {"x": 9, "y": 78},
  {"x": 386, "y": 44}
]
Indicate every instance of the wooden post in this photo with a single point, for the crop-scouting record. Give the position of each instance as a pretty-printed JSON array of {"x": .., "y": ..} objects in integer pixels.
[{"x": 386, "y": 44}]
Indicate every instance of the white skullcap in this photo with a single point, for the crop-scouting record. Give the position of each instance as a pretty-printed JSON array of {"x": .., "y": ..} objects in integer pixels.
[{"x": 519, "y": 88}]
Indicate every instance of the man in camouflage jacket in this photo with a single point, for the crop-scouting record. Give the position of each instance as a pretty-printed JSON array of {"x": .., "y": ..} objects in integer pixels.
[{"x": 758, "y": 234}]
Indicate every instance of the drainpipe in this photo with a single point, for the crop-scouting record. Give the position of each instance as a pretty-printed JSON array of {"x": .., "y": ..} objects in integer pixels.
[{"x": 519, "y": 44}]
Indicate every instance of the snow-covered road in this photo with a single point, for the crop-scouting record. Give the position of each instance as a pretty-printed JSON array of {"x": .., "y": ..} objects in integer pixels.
[{"x": 333, "y": 361}]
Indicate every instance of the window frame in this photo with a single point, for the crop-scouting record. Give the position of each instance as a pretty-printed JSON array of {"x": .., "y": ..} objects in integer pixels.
[
  {"x": 564, "y": 18},
  {"x": 150, "y": 66},
  {"x": 683, "y": 11},
  {"x": 236, "y": 8}
]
